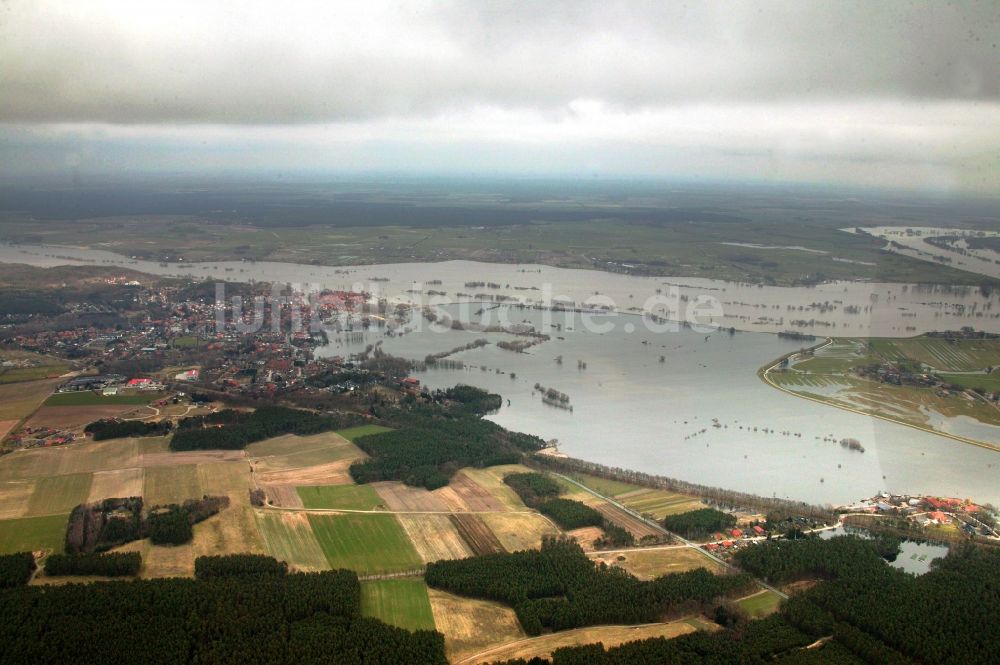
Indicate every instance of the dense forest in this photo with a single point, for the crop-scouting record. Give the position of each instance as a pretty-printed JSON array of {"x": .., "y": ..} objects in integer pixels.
[
  {"x": 542, "y": 493},
  {"x": 558, "y": 587},
  {"x": 296, "y": 619},
  {"x": 230, "y": 429},
  {"x": 108, "y": 564},
  {"x": 117, "y": 429},
  {"x": 237, "y": 565},
  {"x": 862, "y": 611},
  {"x": 433, "y": 442},
  {"x": 699, "y": 523},
  {"x": 16, "y": 569}
]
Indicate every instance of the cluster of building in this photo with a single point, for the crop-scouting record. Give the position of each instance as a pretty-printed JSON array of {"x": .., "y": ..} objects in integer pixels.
[
  {"x": 929, "y": 511},
  {"x": 734, "y": 538}
]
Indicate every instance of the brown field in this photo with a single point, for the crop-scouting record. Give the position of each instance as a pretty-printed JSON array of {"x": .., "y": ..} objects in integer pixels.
[
  {"x": 519, "y": 531},
  {"x": 586, "y": 536},
  {"x": 332, "y": 473},
  {"x": 463, "y": 494},
  {"x": 398, "y": 496},
  {"x": 647, "y": 564},
  {"x": 284, "y": 496},
  {"x": 68, "y": 417},
  {"x": 233, "y": 531},
  {"x": 543, "y": 645},
  {"x": 477, "y": 536},
  {"x": 163, "y": 560},
  {"x": 19, "y": 400},
  {"x": 14, "y": 497},
  {"x": 170, "y": 484},
  {"x": 470, "y": 626},
  {"x": 190, "y": 457},
  {"x": 434, "y": 537},
  {"x": 5, "y": 427},
  {"x": 231, "y": 479},
  {"x": 491, "y": 481},
  {"x": 296, "y": 452},
  {"x": 627, "y": 521},
  {"x": 116, "y": 483}
]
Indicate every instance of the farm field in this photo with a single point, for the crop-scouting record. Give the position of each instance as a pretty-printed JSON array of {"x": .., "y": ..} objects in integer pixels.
[
  {"x": 658, "y": 503},
  {"x": 353, "y": 433},
  {"x": 366, "y": 544},
  {"x": 519, "y": 531},
  {"x": 350, "y": 497},
  {"x": 42, "y": 367},
  {"x": 90, "y": 398},
  {"x": 434, "y": 537},
  {"x": 171, "y": 484},
  {"x": 400, "y": 602},
  {"x": 490, "y": 479},
  {"x": 470, "y": 626},
  {"x": 288, "y": 536},
  {"x": 760, "y": 604},
  {"x": 70, "y": 417},
  {"x": 58, "y": 494},
  {"x": 647, "y": 564},
  {"x": 19, "y": 400},
  {"x": 544, "y": 645},
  {"x": 33, "y": 534}
]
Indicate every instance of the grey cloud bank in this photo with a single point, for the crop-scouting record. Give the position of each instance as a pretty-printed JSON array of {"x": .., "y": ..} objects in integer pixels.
[{"x": 665, "y": 83}]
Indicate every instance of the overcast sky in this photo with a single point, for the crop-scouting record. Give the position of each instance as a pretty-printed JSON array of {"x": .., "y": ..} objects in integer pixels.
[{"x": 900, "y": 94}]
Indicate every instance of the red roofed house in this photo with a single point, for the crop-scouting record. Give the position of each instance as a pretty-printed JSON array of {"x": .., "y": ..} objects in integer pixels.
[
  {"x": 735, "y": 533},
  {"x": 758, "y": 530}
]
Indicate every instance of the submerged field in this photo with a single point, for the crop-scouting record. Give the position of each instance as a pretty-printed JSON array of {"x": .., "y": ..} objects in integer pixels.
[{"x": 963, "y": 368}]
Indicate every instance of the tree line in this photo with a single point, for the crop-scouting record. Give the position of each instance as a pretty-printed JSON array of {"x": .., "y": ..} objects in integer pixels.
[
  {"x": 295, "y": 619},
  {"x": 107, "y": 564},
  {"x": 230, "y": 429},
  {"x": 16, "y": 569},
  {"x": 699, "y": 523},
  {"x": 558, "y": 587},
  {"x": 118, "y": 429}
]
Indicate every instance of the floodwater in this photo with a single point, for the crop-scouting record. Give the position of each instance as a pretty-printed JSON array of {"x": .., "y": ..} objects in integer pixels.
[
  {"x": 700, "y": 415},
  {"x": 914, "y": 243},
  {"x": 631, "y": 410}
]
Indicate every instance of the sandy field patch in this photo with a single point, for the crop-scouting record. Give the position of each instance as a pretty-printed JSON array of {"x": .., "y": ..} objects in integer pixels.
[
  {"x": 398, "y": 496},
  {"x": 586, "y": 536},
  {"x": 14, "y": 497},
  {"x": 434, "y": 537},
  {"x": 543, "y": 645},
  {"x": 116, "y": 483},
  {"x": 284, "y": 496},
  {"x": 519, "y": 531},
  {"x": 470, "y": 626},
  {"x": 233, "y": 531},
  {"x": 332, "y": 473},
  {"x": 190, "y": 457},
  {"x": 162, "y": 560},
  {"x": 647, "y": 564}
]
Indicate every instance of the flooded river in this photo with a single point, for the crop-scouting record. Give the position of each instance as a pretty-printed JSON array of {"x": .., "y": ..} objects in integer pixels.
[{"x": 701, "y": 414}]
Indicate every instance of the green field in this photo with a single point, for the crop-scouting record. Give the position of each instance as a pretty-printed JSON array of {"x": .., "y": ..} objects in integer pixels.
[
  {"x": 88, "y": 398},
  {"x": 59, "y": 494},
  {"x": 289, "y": 537},
  {"x": 353, "y": 433},
  {"x": 19, "y": 374},
  {"x": 349, "y": 497},
  {"x": 760, "y": 604},
  {"x": 399, "y": 602},
  {"x": 600, "y": 485},
  {"x": 33, "y": 533},
  {"x": 986, "y": 382},
  {"x": 366, "y": 544}
]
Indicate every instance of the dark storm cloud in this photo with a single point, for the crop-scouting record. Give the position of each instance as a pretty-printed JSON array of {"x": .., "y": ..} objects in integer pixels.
[{"x": 287, "y": 63}]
